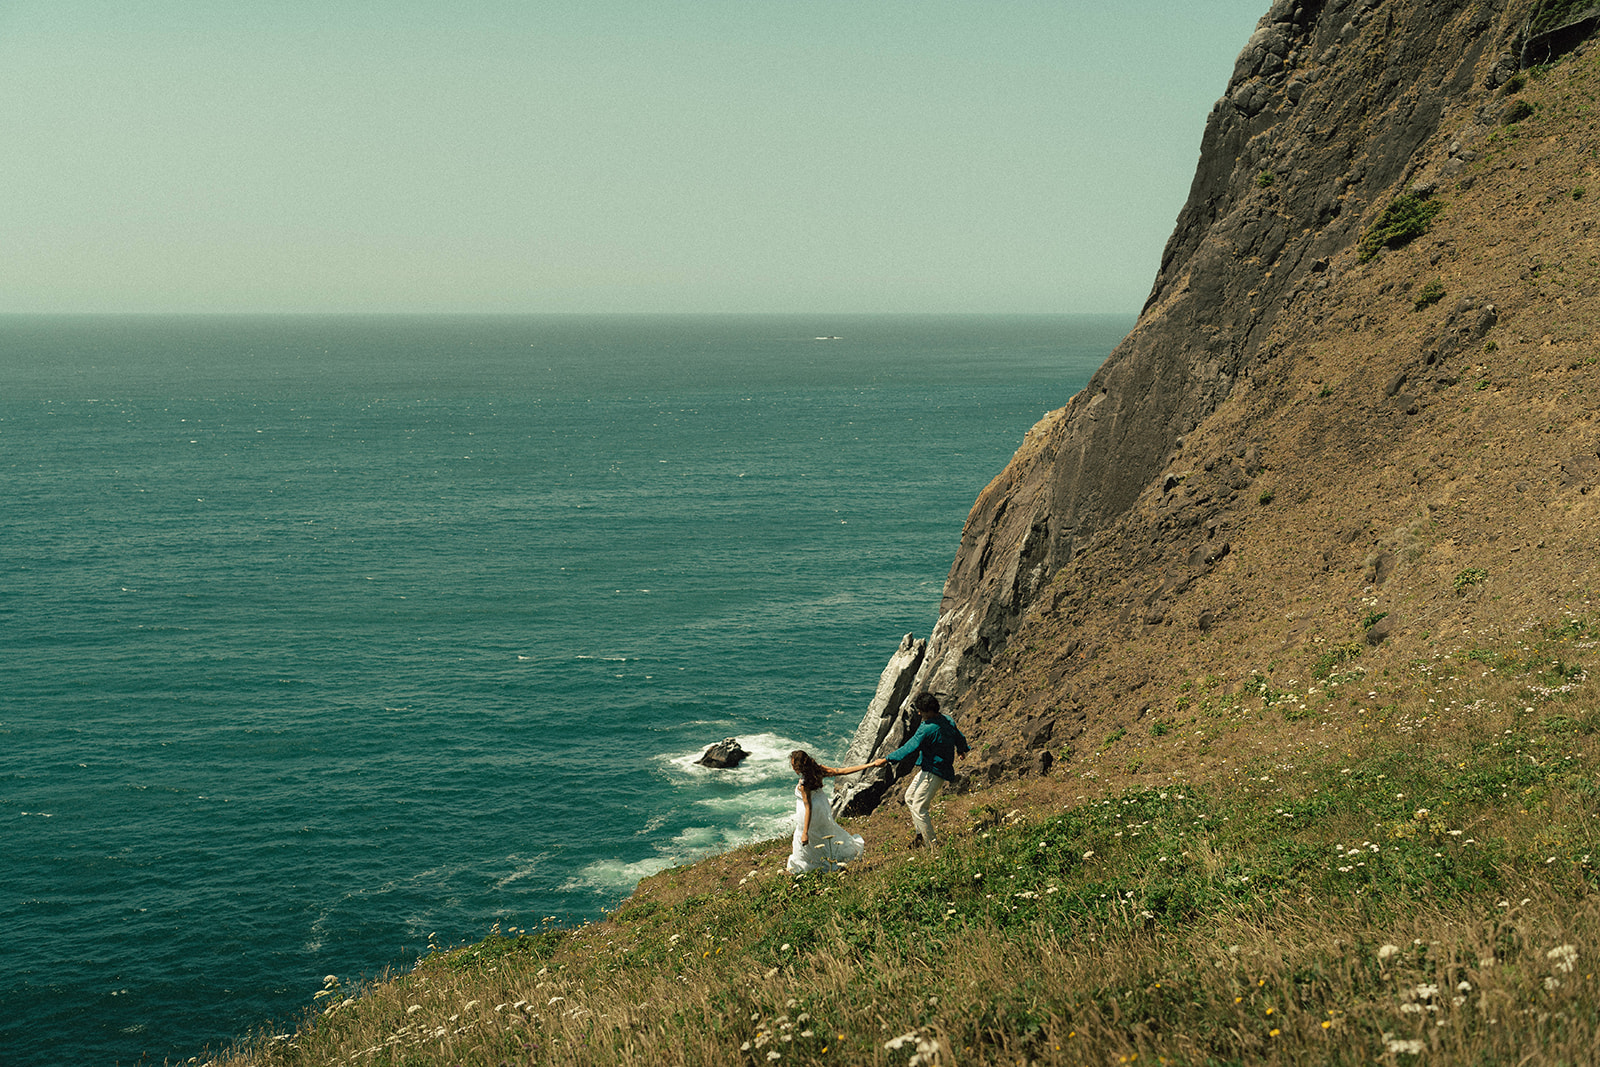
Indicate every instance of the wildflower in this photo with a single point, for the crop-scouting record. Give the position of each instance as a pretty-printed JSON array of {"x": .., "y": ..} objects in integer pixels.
[
  {"x": 1564, "y": 957},
  {"x": 927, "y": 1049},
  {"x": 1388, "y": 952},
  {"x": 1427, "y": 992},
  {"x": 1327, "y": 1024},
  {"x": 1273, "y": 1033},
  {"x": 1413, "y": 1047}
]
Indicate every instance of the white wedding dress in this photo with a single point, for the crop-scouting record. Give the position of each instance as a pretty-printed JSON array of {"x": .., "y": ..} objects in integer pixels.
[{"x": 828, "y": 843}]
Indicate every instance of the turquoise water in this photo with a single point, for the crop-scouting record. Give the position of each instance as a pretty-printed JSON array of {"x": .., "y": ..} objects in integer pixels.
[{"x": 322, "y": 636}]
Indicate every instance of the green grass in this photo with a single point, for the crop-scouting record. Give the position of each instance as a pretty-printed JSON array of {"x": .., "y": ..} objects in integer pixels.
[{"x": 1552, "y": 13}]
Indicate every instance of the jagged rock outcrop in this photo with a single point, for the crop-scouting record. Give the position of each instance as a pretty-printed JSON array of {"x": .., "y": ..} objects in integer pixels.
[
  {"x": 724, "y": 754},
  {"x": 883, "y": 728},
  {"x": 1322, "y": 121}
]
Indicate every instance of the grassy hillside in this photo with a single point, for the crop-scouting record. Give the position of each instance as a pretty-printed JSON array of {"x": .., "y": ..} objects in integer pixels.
[
  {"x": 1409, "y": 880},
  {"x": 1327, "y": 796}
]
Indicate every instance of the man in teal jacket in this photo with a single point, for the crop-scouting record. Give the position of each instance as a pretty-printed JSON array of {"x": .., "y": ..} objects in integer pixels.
[{"x": 935, "y": 745}]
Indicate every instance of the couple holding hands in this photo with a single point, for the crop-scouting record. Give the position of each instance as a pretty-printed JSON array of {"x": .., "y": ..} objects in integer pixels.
[{"x": 820, "y": 843}]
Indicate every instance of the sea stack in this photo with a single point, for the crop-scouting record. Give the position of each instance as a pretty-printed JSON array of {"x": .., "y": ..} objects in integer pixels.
[{"x": 724, "y": 754}]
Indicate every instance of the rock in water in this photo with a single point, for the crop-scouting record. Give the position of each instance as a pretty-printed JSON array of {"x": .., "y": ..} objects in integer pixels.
[{"x": 725, "y": 753}]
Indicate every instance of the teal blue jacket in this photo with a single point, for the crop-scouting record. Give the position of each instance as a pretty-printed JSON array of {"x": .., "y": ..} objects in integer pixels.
[{"x": 935, "y": 745}]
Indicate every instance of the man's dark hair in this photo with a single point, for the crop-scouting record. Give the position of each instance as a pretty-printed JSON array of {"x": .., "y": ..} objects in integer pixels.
[{"x": 925, "y": 704}]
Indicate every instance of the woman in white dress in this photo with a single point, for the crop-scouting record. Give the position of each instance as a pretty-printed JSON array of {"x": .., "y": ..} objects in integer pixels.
[{"x": 820, "y": 844}]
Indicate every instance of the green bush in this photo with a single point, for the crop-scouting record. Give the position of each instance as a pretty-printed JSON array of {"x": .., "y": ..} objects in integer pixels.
[
  {"x": 1406, "y": 218},
  {"x": 1516, "y": 112},
  {"x": 1431, "y": 293}
]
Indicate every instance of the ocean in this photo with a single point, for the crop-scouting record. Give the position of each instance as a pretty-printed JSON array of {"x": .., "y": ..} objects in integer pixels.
[{"x": 325, "y": 639}]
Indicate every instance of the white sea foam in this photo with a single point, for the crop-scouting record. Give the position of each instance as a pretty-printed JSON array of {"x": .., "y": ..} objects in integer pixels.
[
  {"x": 688, "y": 845},
  {"x": 768, "y": 759},
  {"x": 524, "y": 868}
]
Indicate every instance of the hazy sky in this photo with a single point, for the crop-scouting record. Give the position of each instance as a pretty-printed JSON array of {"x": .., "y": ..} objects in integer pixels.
[{"x": 599, "y": 155}]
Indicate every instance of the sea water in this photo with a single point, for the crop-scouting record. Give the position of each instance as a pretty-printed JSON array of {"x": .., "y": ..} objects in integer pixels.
[{"x": 325, "y": 638}]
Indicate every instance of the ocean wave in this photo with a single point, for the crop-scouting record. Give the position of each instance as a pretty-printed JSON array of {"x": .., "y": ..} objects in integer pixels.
[{"x": 686, "y": 846}]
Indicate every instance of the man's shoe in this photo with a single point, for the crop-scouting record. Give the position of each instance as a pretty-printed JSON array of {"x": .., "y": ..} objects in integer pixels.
[{"x": 916, "y": 841}]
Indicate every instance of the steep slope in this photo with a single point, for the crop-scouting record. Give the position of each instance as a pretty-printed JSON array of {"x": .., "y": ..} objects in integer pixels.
[{"x": 1300, "y": 435}]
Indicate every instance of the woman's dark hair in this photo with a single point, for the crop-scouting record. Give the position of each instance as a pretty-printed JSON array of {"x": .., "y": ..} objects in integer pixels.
[{"x": 809, "y": 770}]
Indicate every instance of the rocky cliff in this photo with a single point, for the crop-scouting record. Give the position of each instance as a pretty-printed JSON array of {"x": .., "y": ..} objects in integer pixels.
[{"x": 1309, "y": 384}]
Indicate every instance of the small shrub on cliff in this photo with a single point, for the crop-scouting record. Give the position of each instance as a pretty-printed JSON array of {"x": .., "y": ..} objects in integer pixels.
[
  {"x": 1516, "y": 112},
  {"x": 1405, "y": 219},
  {"x": 1431, "y": 293}
]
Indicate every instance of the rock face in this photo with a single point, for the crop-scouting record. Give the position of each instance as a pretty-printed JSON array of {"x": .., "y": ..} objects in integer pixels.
[
  {"x": 1325, "y": 112},
  {"x": 885, "y": 726},
  {"x": 724, "y": 754},
  {"x": 1257, "y": 370}
]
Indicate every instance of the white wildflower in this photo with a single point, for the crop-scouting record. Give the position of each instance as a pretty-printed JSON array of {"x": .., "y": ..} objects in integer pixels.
[
  {"x": 1565, "y": 957},
  {"x": 1388, "y": 952}
]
